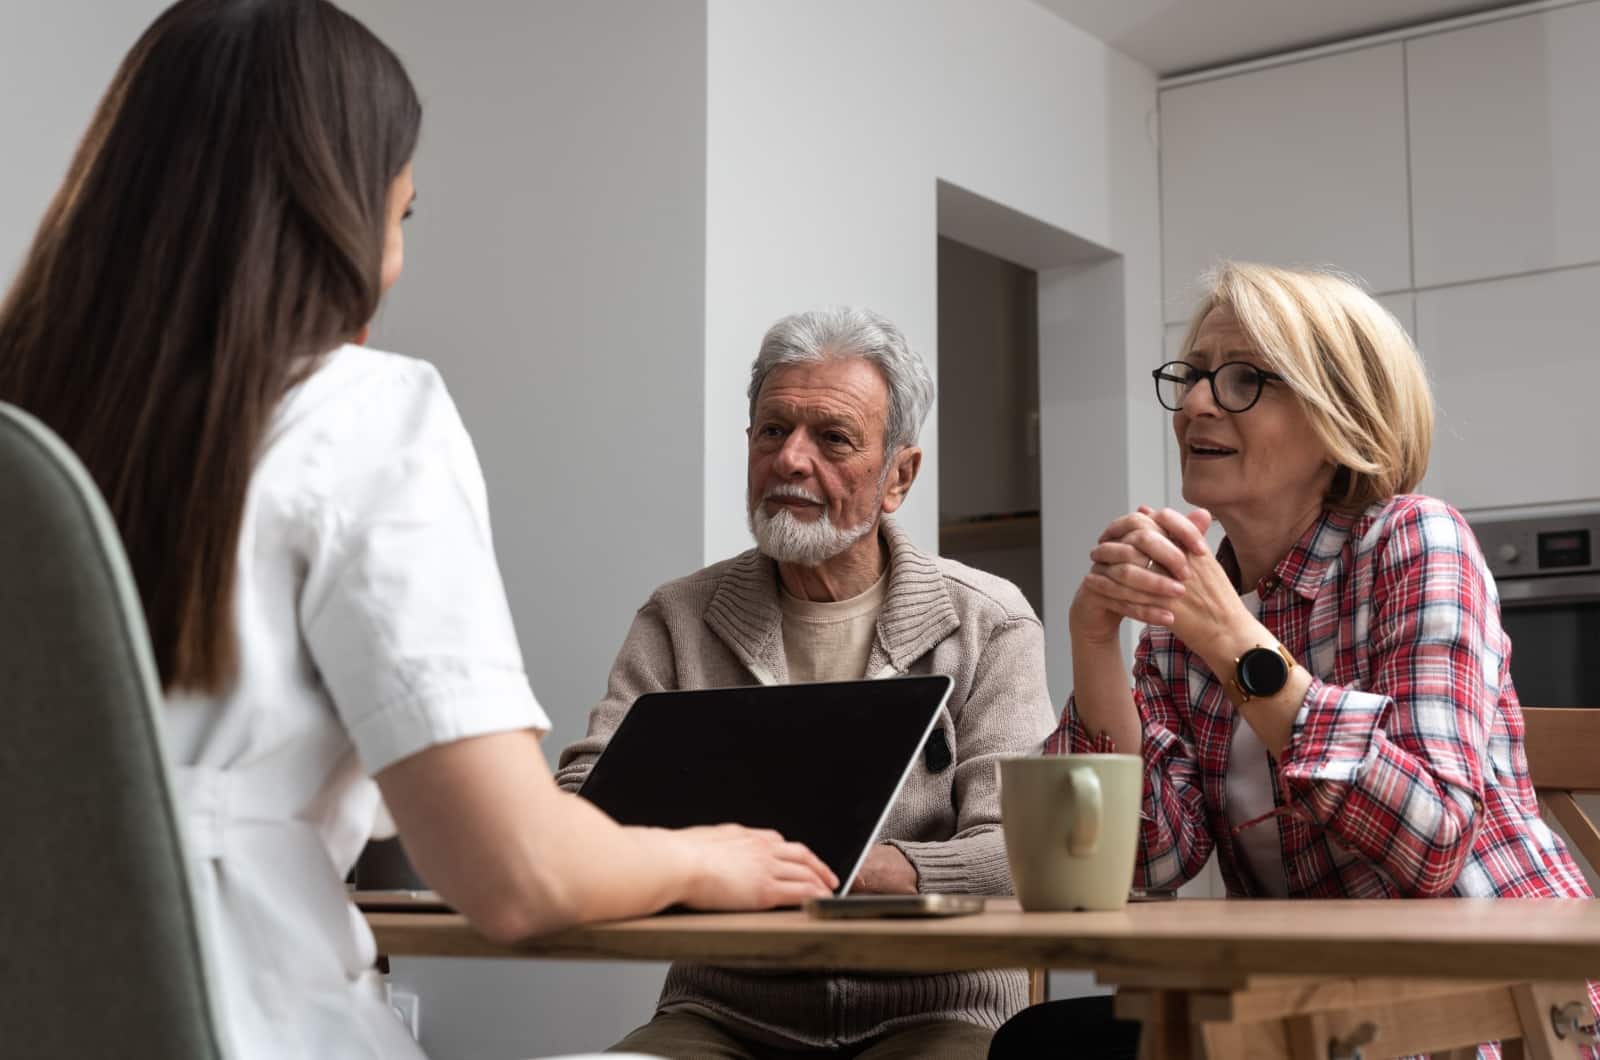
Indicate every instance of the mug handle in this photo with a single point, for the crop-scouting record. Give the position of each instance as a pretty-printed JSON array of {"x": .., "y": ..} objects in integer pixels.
[{"x": 1086, "y": 813}]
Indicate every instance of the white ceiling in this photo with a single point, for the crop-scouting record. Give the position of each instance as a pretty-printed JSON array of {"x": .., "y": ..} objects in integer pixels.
[{"x": 1177, "y": 36}]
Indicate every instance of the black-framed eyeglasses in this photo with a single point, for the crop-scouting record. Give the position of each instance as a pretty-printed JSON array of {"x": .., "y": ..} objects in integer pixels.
[{"x": 1235, "y": 385}]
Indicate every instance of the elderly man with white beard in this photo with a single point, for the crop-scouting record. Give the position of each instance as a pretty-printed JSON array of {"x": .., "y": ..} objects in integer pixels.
[{"x": 835, "y": 590}]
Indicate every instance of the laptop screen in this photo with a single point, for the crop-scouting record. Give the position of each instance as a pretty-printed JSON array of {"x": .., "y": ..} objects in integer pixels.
[{"x": 821, "y": 763}]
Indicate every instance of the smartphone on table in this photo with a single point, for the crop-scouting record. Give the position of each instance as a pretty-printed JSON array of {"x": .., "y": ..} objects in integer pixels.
[{"x": 894, "y": 905}]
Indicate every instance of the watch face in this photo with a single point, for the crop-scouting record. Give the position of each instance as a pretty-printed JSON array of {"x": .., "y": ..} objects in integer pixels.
[{"x": 1262, "y": 672}]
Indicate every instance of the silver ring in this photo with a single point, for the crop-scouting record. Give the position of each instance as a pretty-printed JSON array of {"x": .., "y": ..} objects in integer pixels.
[{"x": 1150, "y": 565}]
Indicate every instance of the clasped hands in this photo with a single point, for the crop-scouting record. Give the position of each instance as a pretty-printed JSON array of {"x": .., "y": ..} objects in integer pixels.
[{"x": 1154, "y": 566}]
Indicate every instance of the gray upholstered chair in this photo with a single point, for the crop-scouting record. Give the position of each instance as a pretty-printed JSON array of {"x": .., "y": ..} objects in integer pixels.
[{"x": 99, "y": 950}]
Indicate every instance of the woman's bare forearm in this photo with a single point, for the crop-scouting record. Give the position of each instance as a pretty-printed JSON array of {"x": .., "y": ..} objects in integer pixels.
[
  {"x": 1103, "y": 695},
  {"x": 487, "y": 827},
  {"x": 489, "y": 830}
]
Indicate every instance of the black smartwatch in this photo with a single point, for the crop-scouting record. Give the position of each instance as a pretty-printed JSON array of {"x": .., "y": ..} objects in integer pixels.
[{"x": 1260, "y": 673}]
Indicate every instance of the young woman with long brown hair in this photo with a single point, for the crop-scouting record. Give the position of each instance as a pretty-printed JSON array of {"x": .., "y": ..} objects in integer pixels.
[{"x": 306, "y": 522}]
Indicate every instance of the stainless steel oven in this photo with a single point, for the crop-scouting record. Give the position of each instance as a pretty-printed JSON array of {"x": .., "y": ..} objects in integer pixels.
[{"x": 1547, "y": 565}]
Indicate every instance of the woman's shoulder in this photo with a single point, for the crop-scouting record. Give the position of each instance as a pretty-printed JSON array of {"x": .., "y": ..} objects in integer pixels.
[
  {"x": 361, "y": 400},
  {"x": 359, "y": 379},
  {"x": 363, "y": 416},
  {"x": 366, "y": 363},
  {"x": 1407, "y": 509},
  {"x": 1410, "y": 526}
]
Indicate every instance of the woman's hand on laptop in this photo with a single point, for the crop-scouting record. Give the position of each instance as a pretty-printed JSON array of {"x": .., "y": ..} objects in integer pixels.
[{"x": 733, "y": 867}]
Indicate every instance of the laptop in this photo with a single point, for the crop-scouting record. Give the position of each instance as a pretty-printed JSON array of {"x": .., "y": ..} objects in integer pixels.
[{"x": 821, "y": 763}]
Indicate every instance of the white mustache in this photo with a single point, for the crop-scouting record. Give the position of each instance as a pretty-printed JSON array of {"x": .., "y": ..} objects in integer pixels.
[{"x": 786, "y": 489}]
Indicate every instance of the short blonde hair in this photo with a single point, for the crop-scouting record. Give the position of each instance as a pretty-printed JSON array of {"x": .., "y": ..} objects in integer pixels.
[{"x": 1351, "y": 364}]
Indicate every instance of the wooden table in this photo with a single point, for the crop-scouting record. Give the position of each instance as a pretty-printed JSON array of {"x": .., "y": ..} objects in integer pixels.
[{"x": 1185, "y": 961}]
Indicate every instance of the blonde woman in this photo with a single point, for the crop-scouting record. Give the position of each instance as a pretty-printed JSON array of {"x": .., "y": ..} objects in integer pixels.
[{"x": 1326, "y": 702}]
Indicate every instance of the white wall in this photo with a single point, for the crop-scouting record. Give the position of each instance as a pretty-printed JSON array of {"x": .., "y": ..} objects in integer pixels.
[{"x": 56, "y": 59}]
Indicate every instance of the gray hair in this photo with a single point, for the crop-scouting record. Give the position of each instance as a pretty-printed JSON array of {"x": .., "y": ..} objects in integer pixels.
[{"x": 844, "y": 332}]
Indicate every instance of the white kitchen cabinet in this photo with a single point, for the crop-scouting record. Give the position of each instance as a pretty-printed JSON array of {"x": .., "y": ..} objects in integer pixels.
[
  {"x": 1515, "y": 375},
  {"x": 1505, "y": 146},
  {"x": 1303, "y": 164}
]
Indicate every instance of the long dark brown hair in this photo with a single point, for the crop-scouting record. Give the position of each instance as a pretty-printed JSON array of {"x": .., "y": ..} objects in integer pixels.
[{"x": 220, "y": 229}]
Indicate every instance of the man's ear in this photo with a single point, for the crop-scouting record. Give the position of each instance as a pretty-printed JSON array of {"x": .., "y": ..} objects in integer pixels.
[{"x": 907, "y": 462}]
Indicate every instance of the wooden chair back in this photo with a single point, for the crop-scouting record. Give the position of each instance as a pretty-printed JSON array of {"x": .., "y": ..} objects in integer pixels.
[{"x": 1563, "y": 745}]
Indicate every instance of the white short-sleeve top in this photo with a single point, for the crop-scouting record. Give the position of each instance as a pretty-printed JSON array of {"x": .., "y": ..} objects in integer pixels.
[{"x": 371, "y": 624}]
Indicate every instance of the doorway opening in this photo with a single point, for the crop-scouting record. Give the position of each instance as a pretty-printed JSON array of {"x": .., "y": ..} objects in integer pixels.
[
  {"x": 989, "y": 416},
  {"x": 1033, "y": 414}
]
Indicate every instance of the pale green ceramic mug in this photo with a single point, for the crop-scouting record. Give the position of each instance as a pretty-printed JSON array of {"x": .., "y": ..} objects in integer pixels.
[{"x": 1072, "y": 828}]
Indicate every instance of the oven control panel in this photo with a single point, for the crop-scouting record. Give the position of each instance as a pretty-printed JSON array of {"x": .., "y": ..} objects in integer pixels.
[{"x": 1523, "y": 547}]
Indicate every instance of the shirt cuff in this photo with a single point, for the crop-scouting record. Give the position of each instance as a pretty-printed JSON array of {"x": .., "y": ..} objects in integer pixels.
[
  {"x": 1332, "y": 737},
  {"x": 443, "y": 711},
  {"x": 1071, "y": 737}
]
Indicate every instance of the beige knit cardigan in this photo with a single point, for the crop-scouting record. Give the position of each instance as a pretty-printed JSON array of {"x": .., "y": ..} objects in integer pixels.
[{"x": 723, "y": 626}]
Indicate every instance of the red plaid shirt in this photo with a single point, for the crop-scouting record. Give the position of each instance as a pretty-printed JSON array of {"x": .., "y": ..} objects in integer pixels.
[{"x": 1404, "y": 775}]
